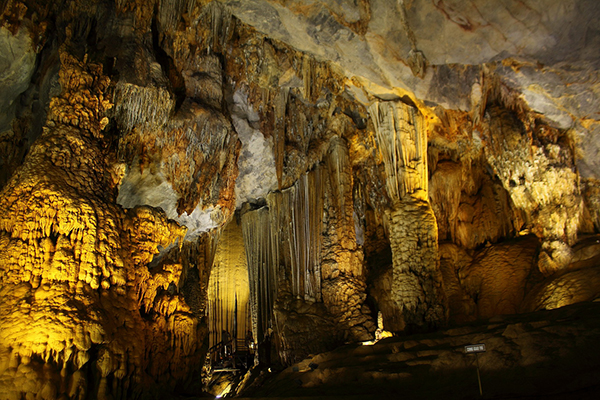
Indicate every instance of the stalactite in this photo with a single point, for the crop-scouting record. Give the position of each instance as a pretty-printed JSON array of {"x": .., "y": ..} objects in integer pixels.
[
  {"x": 306, "y": 204},
  {"x": 170, "y": 12},
  {"x": 222, "y": 25},
  {"x": 261, "y": 270},
  {"x": 279, "y": 126},
  {"x": 299, "y": 208},
  {"x": 338, "y": 162},
  {"x": 199, "y": 151},
  {"x": 83, "y": 264},
  {"x": 359, "y": 214},
  {"x": 283, "y": 247},
  {"x": 446, "y": 189},
  {"x": 308, "y": 76},
  {"x": 402, "y": 140},
  {"x": 142, "y": 105},
  {"x": 228, "y": 292}
]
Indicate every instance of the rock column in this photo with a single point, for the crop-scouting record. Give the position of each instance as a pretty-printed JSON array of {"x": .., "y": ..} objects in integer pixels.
[{"x": 416, "y": 288}]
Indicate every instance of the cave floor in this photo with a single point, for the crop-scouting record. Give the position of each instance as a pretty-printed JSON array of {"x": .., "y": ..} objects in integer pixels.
[{"x": 542, "y": 355}]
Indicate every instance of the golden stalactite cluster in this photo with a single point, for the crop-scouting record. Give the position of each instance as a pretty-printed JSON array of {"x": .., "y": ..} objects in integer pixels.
[
  {"x": 401, "y": 135},
  {"x": 96, "y": 301},
  {"x": 74, "y": 267},
  {"x": 60, "y": 245},
  {"x": 83, "y": 102},
  {"x": 498, "y": 173},
  {"x": 147, "y": 228},
  {"x": 142, "y": 12},
  {"x": 470, "y": 207},
  {"x": 56, "y": 200}
]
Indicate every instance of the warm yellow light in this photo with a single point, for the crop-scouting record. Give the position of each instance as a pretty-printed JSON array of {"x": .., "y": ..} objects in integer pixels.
[
  {"x": 228, "y": 289},
  {"x": 224, "y": 392}
]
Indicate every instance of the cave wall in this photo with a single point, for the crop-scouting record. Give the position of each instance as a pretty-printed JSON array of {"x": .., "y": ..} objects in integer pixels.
[
  {"x": 82, "y": 314},
  {"x": 373, "y": 164}
]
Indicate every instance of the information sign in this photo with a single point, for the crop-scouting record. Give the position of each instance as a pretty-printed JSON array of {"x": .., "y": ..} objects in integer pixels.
[{"x": 475, "y": 348}]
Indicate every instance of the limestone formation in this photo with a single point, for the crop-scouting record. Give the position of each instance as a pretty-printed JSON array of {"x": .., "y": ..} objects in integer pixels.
[
  {"x": 229, "y": 290},
  {"x": 174, "y": 172},
  {"x": 75, "y": 276},
  {"x": 416, "y": 283}
]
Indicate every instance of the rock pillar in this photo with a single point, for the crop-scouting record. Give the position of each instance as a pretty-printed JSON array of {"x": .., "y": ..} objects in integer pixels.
[{"x": 416, "y": 288}]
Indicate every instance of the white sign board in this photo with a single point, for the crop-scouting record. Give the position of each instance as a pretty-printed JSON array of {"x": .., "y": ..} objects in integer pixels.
[{"x": 475, "y": 348}]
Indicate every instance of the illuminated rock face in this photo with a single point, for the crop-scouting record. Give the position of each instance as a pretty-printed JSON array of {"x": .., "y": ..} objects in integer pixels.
[
  {"x": 229, "y": 291},
  {"x": 477, "y": 54},
  {"x": 370, "y": 162},
  {"x": 307, "y": 288},
  {"x": 416, "y": 281},
  {"x": 180, "y": 155},
  {"x": 75, "y": 278}
]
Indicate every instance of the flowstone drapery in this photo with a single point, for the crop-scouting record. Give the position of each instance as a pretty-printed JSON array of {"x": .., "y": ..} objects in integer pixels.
[{"x": 287, "y": 245}]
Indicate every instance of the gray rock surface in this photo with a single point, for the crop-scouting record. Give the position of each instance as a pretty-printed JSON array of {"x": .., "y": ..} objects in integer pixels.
[
  {"x": 256, "y": 163},
  {"x": 17, "y": 60},
  {"x": 546, "y": 51}
]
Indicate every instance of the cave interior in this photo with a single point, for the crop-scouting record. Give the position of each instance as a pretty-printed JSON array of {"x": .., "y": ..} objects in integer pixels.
[{"x": 299, "y": 199}]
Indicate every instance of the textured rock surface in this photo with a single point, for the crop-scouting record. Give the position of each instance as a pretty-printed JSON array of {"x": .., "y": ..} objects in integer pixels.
[
  {"x": 306, "y": 269},
  {"x": 17, "y": 64},
  {"x": 74, "y": 265},
  {"x": 184, "y": 159},
  {"x": 380, "y": 41},
  {"x": 416, "y": 284},
  {"x": 529, "y": 355},
  {"x": 419, "y": 160},
  {"x": 416, "y": 280},
  {"x": 258, "y": 175}
]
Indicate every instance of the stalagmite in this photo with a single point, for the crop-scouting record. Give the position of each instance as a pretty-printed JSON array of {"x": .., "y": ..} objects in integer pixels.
[
  {"x": 416, "y": 286},
  {"x": 344, "y": 288}
]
